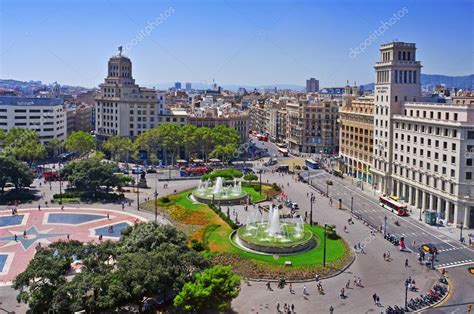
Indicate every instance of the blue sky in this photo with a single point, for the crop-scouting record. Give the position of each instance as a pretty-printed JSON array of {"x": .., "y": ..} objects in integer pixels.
[{"x": 233, "y": 42}]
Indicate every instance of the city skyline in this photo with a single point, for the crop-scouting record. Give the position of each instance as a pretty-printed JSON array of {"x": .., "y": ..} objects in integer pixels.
[{"x": 266, "y": 44}]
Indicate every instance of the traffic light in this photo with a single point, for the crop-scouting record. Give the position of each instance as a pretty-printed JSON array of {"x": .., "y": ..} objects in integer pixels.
[{"x": 471, "y": 270}]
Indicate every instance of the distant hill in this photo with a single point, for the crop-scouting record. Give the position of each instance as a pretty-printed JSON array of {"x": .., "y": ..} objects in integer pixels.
[{"x": 462, "y": 82}]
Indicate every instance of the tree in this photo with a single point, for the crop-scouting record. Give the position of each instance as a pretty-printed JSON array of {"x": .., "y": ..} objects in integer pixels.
[
  {"x": 90, "y": 174},
  {"x": 188, "y": 138},
  {"x": 171, "y": 139},
  {"x": 151, "y": 140},
  {"x": 14, "y": 171},
  {"x": 53, "y": 148},
  {"x": 119, "y": 147},
  {"x": 45, "y": 273},
  {"x": 23, "y": 144},
  {"x": 80, "y": 142},
  {"x": 205, "y": 140},
  {"x": 213, "y": 290},
  {"x": 250, "y": 177}
]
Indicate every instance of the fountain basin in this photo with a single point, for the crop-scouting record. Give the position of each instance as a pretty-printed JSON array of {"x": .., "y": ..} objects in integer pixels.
[
  {"x": 255, "y": 238},
  {"x": 220, "y": 193}
]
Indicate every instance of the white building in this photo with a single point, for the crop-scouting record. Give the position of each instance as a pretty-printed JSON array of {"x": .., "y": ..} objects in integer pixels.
[
  {"x": 122, "y": 107},
  {"x": 422, "y": 151},
  {"x": 44, "y": 115}
]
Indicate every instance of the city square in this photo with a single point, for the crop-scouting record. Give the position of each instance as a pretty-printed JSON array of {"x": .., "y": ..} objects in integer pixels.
[{"x": 237, "y": 157}]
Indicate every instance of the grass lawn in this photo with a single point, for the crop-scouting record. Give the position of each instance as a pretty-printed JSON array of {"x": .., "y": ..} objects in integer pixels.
[
  {"x": 201, "y": 223},
  {"x": 335, "y": 250}
]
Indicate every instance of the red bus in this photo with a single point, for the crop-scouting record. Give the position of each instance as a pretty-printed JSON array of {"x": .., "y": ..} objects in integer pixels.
[{"x": 388, "y": 203}]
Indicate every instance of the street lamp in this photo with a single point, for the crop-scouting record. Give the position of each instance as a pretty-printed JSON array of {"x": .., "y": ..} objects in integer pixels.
[
  {"x": 311, "y": 201},
  {"x": 156, "y": 197},
  {"x": 60, "y": 184},
  {"x": 260, "y": 173},
  {"x": 420, "y": 215},
  {"x": 352, "y": 203},
  {"x": 406, "y": 294},
  {"x": 138, "y": 191},
  {"x": 324, "y": 252},
  {"x": 460, "y": 234},
  {"x": 385, "y": 226},
  {"x": 327, "y": 188}
]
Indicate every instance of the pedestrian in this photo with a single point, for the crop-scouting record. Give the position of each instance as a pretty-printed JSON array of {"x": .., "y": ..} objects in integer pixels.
[
  {"x": 304, "y": 291},
  {"x": 16, "y": 238},
  {"x": 348, "y": 284},
  {"x": 378, "y": 300},
  {"x": 24, "y": 233},
  {"x": 292, "y": 308},
  {"x": 406, "y": 262},
  {"x": 46, "y": 203},
  {"x": 278, "y": 307},
  {"x": 341, "y": 294},
  {"x": 331, "y": 310},
  {"x": 108, "y": 216},
  {"x": 384, "y": 256},
  {"x": 285, "y": 308},
  {"x": 123, "y": 205},
  {"x": 374, "y": 296},
  {"x": 39, "y": 207},
  {"x": 291, "y": 288},
  {"x": 67, "y": 236},
  {"x": 268, "y": 286},
  {"x": 388, "y": 255},
  {"x": 345, "y": 229},
  {"x": 62, "y": 208}
]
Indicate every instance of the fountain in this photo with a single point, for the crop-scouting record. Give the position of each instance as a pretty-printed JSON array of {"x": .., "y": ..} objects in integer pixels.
[
  {"x": 220, "y": 192},
  {"x": 273, "y": 236}
]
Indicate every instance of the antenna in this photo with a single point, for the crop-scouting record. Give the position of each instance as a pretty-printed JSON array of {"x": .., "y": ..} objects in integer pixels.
[{"x": 120, "y": 50}]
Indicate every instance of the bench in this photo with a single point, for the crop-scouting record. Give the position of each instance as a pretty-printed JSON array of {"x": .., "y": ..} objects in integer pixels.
[{"x": 288, "y": 263}]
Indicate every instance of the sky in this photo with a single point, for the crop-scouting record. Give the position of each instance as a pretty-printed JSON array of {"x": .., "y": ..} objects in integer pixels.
[{"x": 232, "y": 42}]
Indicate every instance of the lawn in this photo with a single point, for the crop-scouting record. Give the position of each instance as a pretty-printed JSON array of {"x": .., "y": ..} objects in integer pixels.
[
  {"x": 255, "y": 196},
  {"x": 201, "y": 223}
]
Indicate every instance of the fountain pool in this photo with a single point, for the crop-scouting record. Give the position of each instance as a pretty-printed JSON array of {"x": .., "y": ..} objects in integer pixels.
[
  {"x": 269, "y": 235},
  {"x": 220, "y": 192}
]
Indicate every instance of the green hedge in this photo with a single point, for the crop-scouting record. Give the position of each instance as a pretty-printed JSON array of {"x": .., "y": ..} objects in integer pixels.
[
  {"x": 14, "y": 195},
  {"x": 88, "y": 196},
  {"x": 227, "y": 174},
  {"x": 224, "y": 217}
]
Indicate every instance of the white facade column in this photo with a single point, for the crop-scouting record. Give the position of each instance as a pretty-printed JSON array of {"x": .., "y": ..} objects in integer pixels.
[
  {"x": 409, "y": 194},
  {"x": 417, "y": 198},
  {"x": 431, "y": 206},
  {"x": 456, "y": 220},
  {"x": 423, "y": 200},
  {"x": 447, "y": 211},
  {"x": 438, "y": 207},
  {"x": 467, "y": 216}
]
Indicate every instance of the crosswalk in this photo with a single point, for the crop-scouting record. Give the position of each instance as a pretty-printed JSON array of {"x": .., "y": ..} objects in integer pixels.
[{"x": 455, "y": 264}]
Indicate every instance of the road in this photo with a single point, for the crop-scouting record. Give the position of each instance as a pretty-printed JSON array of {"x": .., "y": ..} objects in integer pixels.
[{"x": 453, "y": 256}]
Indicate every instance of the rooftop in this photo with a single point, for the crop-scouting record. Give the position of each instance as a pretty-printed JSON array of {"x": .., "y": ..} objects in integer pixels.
[{"x": 29, "y": 101}]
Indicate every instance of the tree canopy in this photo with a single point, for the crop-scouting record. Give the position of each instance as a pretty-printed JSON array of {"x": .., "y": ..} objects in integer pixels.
[
  {"x": 119, "y": 147},
  {"x": 80, "y": 142},
  {"x": 115, "y": 275},
  {"x": 15, "y": 172},
  {"x": 212, "y": 291},
  {"x": 22, "y": 144},
  {"x": 90, "y": 174}
]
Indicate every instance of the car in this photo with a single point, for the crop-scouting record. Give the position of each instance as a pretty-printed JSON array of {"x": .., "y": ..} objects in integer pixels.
[
  {"x": 248, "y": 171},
  {"x": 151, "y": 169},
  {"x": 137, "y": 170},
  {"x": 305, "y": 167},
  {"x": 294, "y": 206}
]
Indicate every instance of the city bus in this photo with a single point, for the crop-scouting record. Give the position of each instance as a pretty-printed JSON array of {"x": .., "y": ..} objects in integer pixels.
[
  {"x": 388, "y": 203},
  {"x": 310, "y": 163},
  {"x": 283, "y": 151}
]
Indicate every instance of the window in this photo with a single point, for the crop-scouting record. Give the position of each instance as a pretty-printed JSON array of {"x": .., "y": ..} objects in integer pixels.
[
  {"x": 470, "y": 135},
  {"x": 453, "y": 146},
  {"x": 469, "y": 162},
  {"x": 453, "y": 160},
  {"x": 468, "y": 175},
  {"x": 453, "y": 173},
  {"x": 455, "y": 117}
]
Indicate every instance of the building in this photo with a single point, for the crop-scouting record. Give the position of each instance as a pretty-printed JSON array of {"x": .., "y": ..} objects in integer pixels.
[
  {"x": 312, "y": 85},
  {"x": 177, "y": 85},
  {"x": 44, "y": 115},
  {"x": 356, "y": 124},
  {"x": 312, "y": 126},
  {"x": 422, "y": 150},
  {"x": 79, "y": 118},
  {"x": 122, "y": 107},
  {"x": 188, "y": 86},
  {"x": 213, "y": 117}
]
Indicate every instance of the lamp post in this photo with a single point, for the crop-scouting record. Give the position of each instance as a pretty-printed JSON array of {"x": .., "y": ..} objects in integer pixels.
[
  {"x": 324, "y": 252},
  {"x": 385, "y": 226},
  {"x": 60, "y": 184},
  {"x": 311, "y": 201},
  {"x": 156, "y": 197},
  {"x": 327, "y": 188},
  {"x": 138, "y": 191},
  {"x": 420, "y": 215},
  {"x": 406, "y": 294},
  {"x": 460, "y": 234},
  {"x": 352, "y": 204},
  {"x": 260, "y": 173}
]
